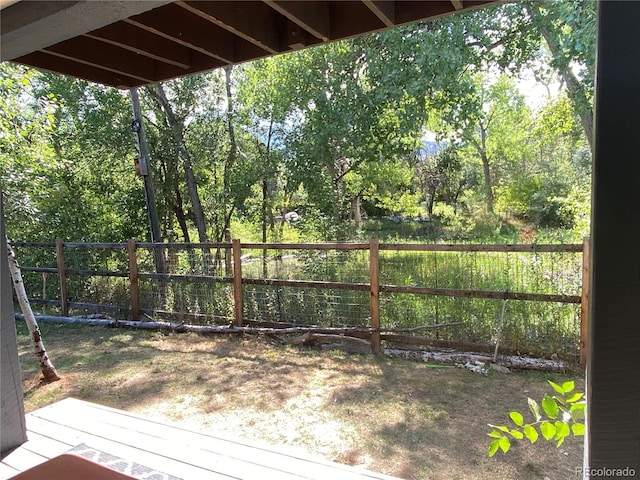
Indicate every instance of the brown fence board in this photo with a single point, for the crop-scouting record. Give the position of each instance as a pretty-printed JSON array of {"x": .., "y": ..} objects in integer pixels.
[
  {"x": 273, "y": 282},
  {"x": 452, "y": 247},
  {"x": 307, "y": 246},
  {"x": 188, "y": 278},
  {"x": 39, "y": 269},
  {"x": 453, "y": 292}
]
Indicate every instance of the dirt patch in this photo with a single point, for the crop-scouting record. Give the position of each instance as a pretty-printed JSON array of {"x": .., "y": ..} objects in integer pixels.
[{"x": 394, "y": 416}]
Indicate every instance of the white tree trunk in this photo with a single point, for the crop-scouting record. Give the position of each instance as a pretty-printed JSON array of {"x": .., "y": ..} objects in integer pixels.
[{"x": 48, "y": 370}]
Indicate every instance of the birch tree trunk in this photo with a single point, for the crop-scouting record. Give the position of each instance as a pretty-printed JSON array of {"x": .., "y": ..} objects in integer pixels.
[{"x": 48, "y": 370}]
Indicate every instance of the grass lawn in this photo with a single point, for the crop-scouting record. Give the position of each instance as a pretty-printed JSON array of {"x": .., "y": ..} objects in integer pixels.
[{"x": 393, "y": 416}]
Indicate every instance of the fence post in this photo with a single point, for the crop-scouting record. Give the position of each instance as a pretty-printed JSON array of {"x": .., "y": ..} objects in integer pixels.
[
  {"x": 62, "y": 278},
  {"x": 374, "y": 285},
  {"x": 237, "y": 281},
  {"x": 584, "y": 312},
  {"x": 227, "y": 253},
  {"x": 133, "y": 279}
]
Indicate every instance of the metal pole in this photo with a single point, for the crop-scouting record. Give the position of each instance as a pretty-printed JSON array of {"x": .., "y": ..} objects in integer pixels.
[
  {"x": 149, "y": 194},
  {"x": 145, "y": 171}
]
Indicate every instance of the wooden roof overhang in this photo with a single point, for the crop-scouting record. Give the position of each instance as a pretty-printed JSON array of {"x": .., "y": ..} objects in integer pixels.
[{"x": 127, "y": 44}]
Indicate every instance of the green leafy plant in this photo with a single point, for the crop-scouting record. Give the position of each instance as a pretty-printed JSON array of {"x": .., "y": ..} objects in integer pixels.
[{"x": 560, "y": 416}]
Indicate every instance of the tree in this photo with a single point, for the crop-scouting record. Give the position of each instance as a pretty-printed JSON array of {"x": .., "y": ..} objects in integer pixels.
[
  {"x": 26, "y": 157},
  {"x": 543, "y": 35},
  {"x": 326, "y": 129},
  {"x": 440, "y": 178},
  {"x": 568, "y": 29},
  {"x": 345, "y": 126},
  {"x": 263, "y": 110},
  {"x": 176, "y": 126},
  {"x": 548, "y": 186},
  {"x": 491, "y": 126},
  {"x": 48, "y": 370},
  {"x": 70, "y": 148}
]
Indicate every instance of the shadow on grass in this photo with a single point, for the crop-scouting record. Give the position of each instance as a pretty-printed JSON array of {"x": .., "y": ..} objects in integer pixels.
[
  {"x": 426, "y": 418},
  {"x": 128, "y": 369},
  {"x": 407, "y": 419}
]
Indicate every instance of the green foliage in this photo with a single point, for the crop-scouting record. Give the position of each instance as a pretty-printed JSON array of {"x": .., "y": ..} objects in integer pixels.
[
  {"x": 322, "y": 131},
  {"x": 562, "y": 415},
  {"x": 66, "y": 159}
]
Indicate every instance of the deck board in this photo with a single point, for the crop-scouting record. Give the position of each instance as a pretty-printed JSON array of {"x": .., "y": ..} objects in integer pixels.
[
  {"x": 7, "y": 472},
  {"x": 22, "y": 459},
  {"x": 177, "y": 451}
]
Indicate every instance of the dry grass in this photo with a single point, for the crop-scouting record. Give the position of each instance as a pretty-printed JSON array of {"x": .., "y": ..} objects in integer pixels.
[{"x": 394, "y": 416}]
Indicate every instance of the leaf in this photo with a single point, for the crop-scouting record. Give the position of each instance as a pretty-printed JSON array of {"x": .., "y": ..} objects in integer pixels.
[
  {"x": 502, "y": 428},
  {"x": 493, "y": 448},
  {"x": 517, "y": 434},
  {"x": 550, "y": 406},
  {"x": 495, "y": 434},
  {"x": 556, "y": 387},
  {"x": 575, "y": 397},
  {"x": 535, "y": 409},
  {"x": 531, "y": 433},
  {"x": 577, "y": 411},
  {"x": 517, "y": 418},
  {"x": 548, "y": 430},
  {"x": 568, "y": 387},
  {"x": 562, "y": 430},
  {"x": 577, "y": 429},
  {"x": 505, "y": 444}
]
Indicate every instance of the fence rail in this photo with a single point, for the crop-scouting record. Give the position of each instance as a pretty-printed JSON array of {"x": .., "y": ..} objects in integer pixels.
[{"x": 220, "y": 265}]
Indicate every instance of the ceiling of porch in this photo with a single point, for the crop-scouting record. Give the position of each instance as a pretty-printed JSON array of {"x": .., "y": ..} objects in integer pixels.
[{"x": 132, "y": 43}]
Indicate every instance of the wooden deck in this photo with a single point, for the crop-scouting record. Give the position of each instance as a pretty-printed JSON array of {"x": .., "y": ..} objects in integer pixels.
[{"x": 57, "y": 428}]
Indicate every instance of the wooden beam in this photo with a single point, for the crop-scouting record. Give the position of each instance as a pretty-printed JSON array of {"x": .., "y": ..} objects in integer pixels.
[
  {"x": 237, "y": 282},
  {"x": 105, "y": 56},
  {"x": 62, "y": 278},
  {"x": 384, "y": 10},
  {"x": 178, "y": 25},
  {"x": 31, "y": 26},
  {"x": 312, "y": 16},
  {"x": 134, "y": 289},
  {"x": 254, "y": 22},
  {"x": 46, "y": 61},
  {"x": 613, "y": 383},
  {"x": 143, "y": 42},
  {"x": 374, "y": 283},
  {"x": 297, "y": 37},
  {"x": 407, "y": 12},
  {"x": 414, "y": 11},
  {"x": 349, "y": 19},
  {"x": 584, "y": 304}
]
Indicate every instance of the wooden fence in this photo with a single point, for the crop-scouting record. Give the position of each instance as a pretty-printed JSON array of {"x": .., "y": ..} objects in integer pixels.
[{"x": 232, "y": 255}]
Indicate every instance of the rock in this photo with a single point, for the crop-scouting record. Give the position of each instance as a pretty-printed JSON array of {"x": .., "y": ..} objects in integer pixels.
[{"x": 499, "y": 368}]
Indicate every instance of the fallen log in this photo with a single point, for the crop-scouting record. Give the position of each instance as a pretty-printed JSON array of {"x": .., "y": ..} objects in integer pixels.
[
  {"x": 347, "y": 348},
  {"x": 461, "y": 358},
  {"x": 214, "y": 329},
  {"x": 349, "y": 335},
  {"x": 420, "y": 327},
  {"x": 310, "y": 338}
]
